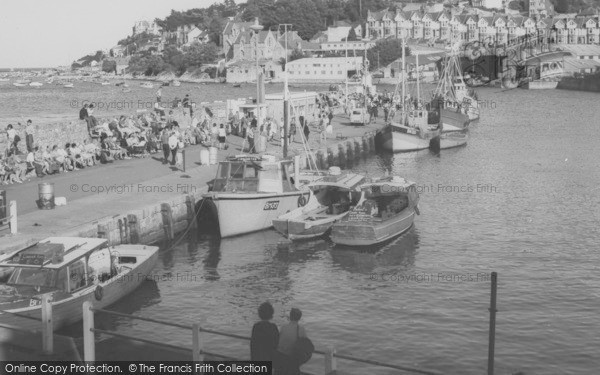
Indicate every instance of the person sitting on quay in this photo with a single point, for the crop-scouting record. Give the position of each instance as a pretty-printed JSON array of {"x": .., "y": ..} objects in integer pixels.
[
  {"x": 18, "y": 166},
  {"x": 289, "y": 333},
  {"x": 7, "y": 175},
  {"x": 60, "y": 156},
  {"x": 52, "y": 165},
  {"x": 265, "y": 335}
]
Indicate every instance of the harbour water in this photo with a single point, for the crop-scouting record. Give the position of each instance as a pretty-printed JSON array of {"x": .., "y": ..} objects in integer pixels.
[{"x": 522, "y": 199}]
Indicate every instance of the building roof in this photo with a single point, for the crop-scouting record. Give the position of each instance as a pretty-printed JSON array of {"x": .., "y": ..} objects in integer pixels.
[
  {"x": 582, "y": 49},
  {"x": 576, "y": 65}
]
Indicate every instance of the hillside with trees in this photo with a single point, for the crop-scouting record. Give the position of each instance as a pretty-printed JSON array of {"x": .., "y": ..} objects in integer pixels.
[{"x": 574, "y": 6}]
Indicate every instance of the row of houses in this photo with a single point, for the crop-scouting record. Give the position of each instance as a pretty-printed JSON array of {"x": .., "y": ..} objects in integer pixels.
[{"x": 444, "y": 27}]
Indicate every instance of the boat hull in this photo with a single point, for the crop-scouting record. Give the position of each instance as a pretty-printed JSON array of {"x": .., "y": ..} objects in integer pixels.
[
  {"x": 357, "y": 233},
  {"x": 404, "y": 142},
  {"x": 69, "y": 310},
  {"x": 451, "y": 139},
  {"x": 299, "y": 230},
  {"x": 259, "y": 210},
  {"x": 453, "y": 118}
]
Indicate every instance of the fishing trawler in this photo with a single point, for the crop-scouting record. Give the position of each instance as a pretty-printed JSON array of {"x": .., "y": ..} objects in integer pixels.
[
  {"x": 412, "y": 131},
  {"x": 248, "y": 192},
  {"x": 386, "y": 209},
  {"x": 331, "y": 197},
  {"x": 72, "y": 270}
]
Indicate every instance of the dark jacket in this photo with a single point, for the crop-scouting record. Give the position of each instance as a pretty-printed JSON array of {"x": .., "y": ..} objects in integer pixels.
[{"x": 264, "y": 341}]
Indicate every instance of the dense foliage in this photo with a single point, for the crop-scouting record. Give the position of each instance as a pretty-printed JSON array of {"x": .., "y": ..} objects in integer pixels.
[
  {"x": 574, "y": 6},
  {"x": 385, "y": 52},
  {"x": 174, "y": 60}
]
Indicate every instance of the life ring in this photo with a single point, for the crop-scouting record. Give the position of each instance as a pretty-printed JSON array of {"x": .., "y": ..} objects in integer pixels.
[
  {"x": 301, "y": 201},
  {"x": 99, "y": 293}
]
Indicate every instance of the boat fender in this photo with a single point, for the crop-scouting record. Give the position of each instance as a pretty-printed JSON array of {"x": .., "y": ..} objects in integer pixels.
[
  {"x": 417, "y": 210},
  {"x": 99, "y": 293},
  {"x": 301, "y": 201}
]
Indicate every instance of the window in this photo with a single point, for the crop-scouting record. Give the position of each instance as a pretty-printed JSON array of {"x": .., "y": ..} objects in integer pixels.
[{"x": 77, "y": 275}]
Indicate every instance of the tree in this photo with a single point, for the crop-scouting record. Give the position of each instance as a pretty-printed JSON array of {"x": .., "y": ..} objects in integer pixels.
[
  {"x": 351, "y": 35},
  {"x": 198, "y": 54},
  {"x": 109, "y": 66},
  {"x": 562, "y": 6},
  {"x": 385, "y": 52}
]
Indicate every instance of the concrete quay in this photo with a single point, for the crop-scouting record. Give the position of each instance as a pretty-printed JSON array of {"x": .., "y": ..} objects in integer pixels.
[{"x": 149, "y": 201}]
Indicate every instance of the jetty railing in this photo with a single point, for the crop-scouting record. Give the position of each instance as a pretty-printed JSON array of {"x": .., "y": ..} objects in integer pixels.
[{"x": 198, "y": 350}]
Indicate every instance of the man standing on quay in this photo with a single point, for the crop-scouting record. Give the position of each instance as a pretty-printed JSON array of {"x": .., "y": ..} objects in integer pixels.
[{"x": 164, "y": 139}]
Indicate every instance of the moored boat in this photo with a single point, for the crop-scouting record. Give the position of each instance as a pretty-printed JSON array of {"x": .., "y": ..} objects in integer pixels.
[
  {"x": 451, "y": 137},
  {"x": 385, "y": 210},
  {"x": 176, "y": 83},
  {"x": 248, "y": 193},
  {"x": 105, "y": 83},
  {"x": 72, "y": 270},
  {"x": 147, "y": 85},
  {"x": 68, "y": 86},
  {"x": 17, "y": 84},
  {"x": 331, "y": 196},
  {"x": 36, "y": 84}
]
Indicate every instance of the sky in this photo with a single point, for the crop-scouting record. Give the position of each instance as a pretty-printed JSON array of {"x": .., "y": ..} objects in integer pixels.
[{"x": 49, "y": 33}]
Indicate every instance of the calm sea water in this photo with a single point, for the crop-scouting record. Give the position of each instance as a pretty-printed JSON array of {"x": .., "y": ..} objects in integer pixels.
[{"x": 522, "y": 199}]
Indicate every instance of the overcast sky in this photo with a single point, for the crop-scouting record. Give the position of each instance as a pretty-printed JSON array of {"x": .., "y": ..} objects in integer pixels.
[{"x": 48, "y": 33}]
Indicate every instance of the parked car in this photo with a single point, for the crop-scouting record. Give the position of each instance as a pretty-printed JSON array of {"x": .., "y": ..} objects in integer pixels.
[{"x": 360, "y": 116}]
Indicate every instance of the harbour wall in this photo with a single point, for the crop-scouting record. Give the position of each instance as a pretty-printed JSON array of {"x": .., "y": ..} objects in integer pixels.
[{"x": 580, "y": 84}]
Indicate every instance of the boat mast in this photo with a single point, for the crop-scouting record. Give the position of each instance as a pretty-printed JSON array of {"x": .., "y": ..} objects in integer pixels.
[
  {"x": 403, "y": 77},
  {"x": 417, "y": 73}
]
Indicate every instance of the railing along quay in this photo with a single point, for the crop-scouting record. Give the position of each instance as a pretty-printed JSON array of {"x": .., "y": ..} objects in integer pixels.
[{"x": 198, "y": 352}]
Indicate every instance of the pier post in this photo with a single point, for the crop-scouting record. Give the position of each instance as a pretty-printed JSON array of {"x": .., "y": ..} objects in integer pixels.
[
  {"x": 167, "y": 217},
  {"x": 89, "y": 343},
  {"x": 47, "y": 325},
  {"x": 13, "y": 217},
  {"x": 330, "y": 362},
  {"x": 183, "y": 159},
  {"x": 197, "y": 355},
  {"x": 492, "y": 324},
  {"x": 134, "y": 229}
]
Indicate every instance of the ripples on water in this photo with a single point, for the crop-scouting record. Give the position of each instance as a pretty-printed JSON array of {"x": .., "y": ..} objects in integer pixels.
[{"x": 536, "y": 225}]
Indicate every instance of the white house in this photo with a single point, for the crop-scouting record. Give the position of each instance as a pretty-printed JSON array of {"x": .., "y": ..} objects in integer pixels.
[{"x": 323, "y": 69}]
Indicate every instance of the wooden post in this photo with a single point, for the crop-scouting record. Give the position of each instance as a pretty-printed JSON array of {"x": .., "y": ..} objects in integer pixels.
[
  {"x": 197, "y": 355},
  {"x": 330, "y": 362},
  {"x": 134, "y": 229},
  {"x": 47, "y": 325},
  {"x": 13, "y": 217},
  {"x": 167, "y": 216},
  {"x": 183, "y": 159},
  {"x": 297, "y": 171},
  {"x": 102, "y": 231},
  {"x": 492, "y": 324},
  {"x": 89, "y": 343}
]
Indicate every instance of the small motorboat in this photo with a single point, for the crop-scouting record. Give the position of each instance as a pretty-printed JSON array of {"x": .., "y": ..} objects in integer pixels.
[
  {"x": 331, "y": 197},
  {"x": 147, "y": 85},
  {"x": 126, "y": 89},
  {"x": 260, "y": 187},
  {"x": 68, "y": 85},
  {"x": 176, "y": 83},
  {"x": 105, "y": 83},
  {"x": 36, "y": 84},
  {"x": 72, "y": 270},
  {"x": 237, "y": 85},
  {"x": 386, "y": 209},
  {"x": 18, "y": 84}
]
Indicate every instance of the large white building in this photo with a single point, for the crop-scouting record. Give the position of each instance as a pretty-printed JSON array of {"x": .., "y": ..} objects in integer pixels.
[
  {"x": 149, "y": 27},
  {"x": 327, "y": 69}
]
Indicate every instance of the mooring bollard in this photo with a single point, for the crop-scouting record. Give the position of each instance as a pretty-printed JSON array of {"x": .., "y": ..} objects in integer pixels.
[
  {"x": 47, "y": 325},
  {"x": 89, "y": 343}
]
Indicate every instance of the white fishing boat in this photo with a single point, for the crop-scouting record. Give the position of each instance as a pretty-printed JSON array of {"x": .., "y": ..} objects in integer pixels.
[
  {"x": 452, "y": 91},
  {"x": 409, "y": 130},
  {"x": 72, "y": 270},
  {"x": 17, "y": 84},
  {"x": 36, "y": 84},
  {"x": 68, "y": 85},
  {"x": 331, "y": 197},
  {"x": 176, "y": 83},
  {"x": 147, "y": 85},
  {"x": 386, "y": 209},
  {"x": 105, "y": 83},
  {"x": 248, "y": 193}
]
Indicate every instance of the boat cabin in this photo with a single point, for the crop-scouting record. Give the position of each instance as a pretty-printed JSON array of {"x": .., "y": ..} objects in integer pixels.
[
  {"x": 338, "y": 192},
  {"x": 254, "y": 174},
  {"x": 61, "y": 263},
  {"x": 381, "y": 201}
]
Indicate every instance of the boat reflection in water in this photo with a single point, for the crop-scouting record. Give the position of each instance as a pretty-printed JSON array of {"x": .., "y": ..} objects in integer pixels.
[{"x": 399, "y": 254}]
